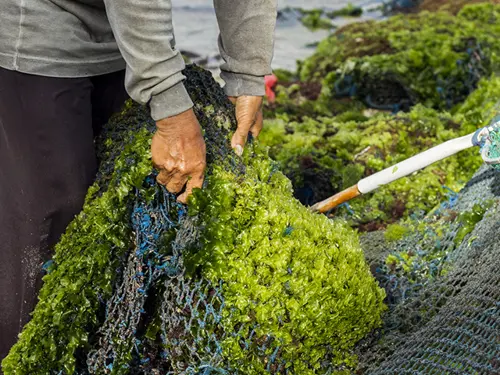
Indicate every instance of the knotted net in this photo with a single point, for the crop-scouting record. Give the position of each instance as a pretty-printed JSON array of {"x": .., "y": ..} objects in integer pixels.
[{"x": 443, "y": 289}]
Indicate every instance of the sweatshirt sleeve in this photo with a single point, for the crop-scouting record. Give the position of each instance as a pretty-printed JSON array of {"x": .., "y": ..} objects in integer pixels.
[
  {"x": 246, "y": 43},
  {"x": 144, "y": 33}
]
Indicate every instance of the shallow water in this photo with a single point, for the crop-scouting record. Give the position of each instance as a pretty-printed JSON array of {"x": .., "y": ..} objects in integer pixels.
[{"x": 196, "y": 28}]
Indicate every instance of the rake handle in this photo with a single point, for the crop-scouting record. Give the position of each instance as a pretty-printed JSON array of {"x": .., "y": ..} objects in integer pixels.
[
  {"x": 402, "y": 169},
  {"x": 336, "y": 200}
]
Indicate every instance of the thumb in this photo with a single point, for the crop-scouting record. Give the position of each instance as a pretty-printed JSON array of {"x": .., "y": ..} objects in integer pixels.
[
  {"x": 247, "y": 108},
  {"x": 240, "y": 136}
]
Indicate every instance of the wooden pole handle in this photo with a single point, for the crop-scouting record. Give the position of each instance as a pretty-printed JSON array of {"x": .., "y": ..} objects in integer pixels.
[{"x": 336, "y": 200}]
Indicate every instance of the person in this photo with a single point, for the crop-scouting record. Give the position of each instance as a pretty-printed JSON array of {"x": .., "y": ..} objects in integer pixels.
[{"x": 65, "y": 67}]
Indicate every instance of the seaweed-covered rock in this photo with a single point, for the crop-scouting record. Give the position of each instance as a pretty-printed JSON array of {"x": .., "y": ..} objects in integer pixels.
[
  {"x": 395, "y": 64},
  {"x": 432, "y": 58},
  {"x": 244, "y": 281}
]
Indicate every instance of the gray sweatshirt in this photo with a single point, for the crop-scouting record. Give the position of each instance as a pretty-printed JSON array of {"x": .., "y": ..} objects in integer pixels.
[{"x": 81, "y": 38}]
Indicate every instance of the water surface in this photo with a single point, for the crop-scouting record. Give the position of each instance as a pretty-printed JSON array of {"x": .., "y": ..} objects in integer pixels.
[{"x": 196, "y": 28}]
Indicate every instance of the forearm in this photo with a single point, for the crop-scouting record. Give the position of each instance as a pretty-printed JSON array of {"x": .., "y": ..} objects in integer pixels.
[
  {"x": 144, "y": 33},
  {"x": 246, "y": 43}
]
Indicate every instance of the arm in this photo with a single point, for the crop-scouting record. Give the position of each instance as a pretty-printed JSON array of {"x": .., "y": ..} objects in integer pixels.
[
  {"x": 144, "y": 33},
  {"x": 246, "y": 44}
]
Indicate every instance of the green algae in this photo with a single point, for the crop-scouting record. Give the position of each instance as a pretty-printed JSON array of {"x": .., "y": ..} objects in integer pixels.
[
  {"x": 286, "y": 273},
  {"x": 469, "y": 219},
  {"x": 345, "y": 152},
  {"x": 348, "y": 11},
  {"x": 316, "y": 19},
  {"x": 325, "y": 144},
  {"x": 415, "y": 52},
  {"x": 419, "y": 266},
  {"x": 395, "y": 232},
  {"x": 86, "y": 259},
  {"x": 453, "y": 7}
]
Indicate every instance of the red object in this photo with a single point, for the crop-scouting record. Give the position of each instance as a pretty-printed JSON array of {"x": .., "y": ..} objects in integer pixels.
[{"x": 271, "y": 82}]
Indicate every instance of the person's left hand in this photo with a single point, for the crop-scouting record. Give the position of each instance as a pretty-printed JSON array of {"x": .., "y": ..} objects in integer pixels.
[{"x": 249, "y": 118}]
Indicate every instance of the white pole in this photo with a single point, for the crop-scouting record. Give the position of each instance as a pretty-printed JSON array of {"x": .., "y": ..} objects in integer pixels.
[{"x": 415, "y": 163}]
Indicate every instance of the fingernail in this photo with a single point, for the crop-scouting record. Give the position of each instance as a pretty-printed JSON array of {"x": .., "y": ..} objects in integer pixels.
[{"x": 238, "y": 150}]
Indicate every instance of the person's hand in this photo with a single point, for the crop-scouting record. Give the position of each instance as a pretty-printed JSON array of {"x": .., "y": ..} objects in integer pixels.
[
  {"x": 249, "y": 118},
  {"x": 178, "y": 152}
]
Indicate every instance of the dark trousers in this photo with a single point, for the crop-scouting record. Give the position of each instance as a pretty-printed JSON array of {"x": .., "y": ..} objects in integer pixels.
[{"x": 47, "y": 163}]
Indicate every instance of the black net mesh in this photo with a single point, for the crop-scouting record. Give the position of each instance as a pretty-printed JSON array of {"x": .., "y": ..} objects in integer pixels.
[{"x": 444, "y": 313}]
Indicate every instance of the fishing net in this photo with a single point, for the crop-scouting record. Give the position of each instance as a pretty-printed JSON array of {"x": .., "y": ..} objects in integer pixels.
[
  {"x": 442, "y": 281},
  {"x": 245, "y": 281}
]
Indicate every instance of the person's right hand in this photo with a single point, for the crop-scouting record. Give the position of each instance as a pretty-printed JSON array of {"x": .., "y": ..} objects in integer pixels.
[{"x": 178, "y": 152}]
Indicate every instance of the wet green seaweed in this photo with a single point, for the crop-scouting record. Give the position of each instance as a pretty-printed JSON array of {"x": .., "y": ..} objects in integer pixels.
[
  {"x": 437, "y": 57},
  {"x": 283, "y": 270},
  {"x": 325, "y": 143},
  {"x": 316, "y": 19},
  {"x": 468, "y": 221}
]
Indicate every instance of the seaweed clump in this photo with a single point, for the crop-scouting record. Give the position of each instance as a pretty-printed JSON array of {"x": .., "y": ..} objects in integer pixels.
[
  {"x": 435, "y": 59},
  {"x": 246, "y": 280}
]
